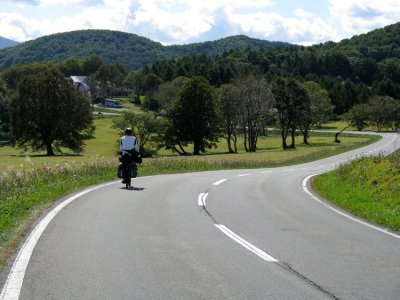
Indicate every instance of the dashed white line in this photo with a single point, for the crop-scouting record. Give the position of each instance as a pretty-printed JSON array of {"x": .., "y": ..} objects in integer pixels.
[
  {"x": 305, "y": 188},
  {"x": 242, "y": 175},
  {"x": 263, "y": 172},
  {"x": 201, "y": 200},
  {"x": 245, "y": 243},
  {"x": 219, "y": 181}
]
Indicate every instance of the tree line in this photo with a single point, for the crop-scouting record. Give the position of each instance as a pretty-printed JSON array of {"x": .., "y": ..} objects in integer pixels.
[{"x": 241, "y": 95}]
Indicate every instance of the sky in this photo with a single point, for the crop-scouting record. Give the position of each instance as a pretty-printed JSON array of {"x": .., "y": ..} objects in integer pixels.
[{"x": 303, "y": 22}]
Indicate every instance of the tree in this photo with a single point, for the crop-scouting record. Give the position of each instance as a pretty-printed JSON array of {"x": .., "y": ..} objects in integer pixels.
[
  {"x": 229, "y": 105},
  {"x": 4, "y": 113},
  {"x": 94, "y": 88},
  {"x": 168, "y": 92},
  {"x": 366, "y": 69},
  {"x": 13, "y": 75},
  {"x": 359, "y": 116},
  {"x": 91, "y": 64},
  {"x": 71, "y": 67},
  {"x": 145, "y": 126},
  {"x": 110, "y": 77},
  {"x": 193, "y": 117},
  {"x": 256, "y": 102},
  {"x": 47, "y": 111},
  {"x": 320, "y": 108},
  {"x": 386, "y": 87},
  {"x": 291, "y": 104},
  {"x": 383, "y": 111},
  {"x": 135, "y": 81}
]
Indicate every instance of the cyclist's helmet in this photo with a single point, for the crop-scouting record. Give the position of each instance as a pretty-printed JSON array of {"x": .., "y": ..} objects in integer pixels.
[{"x": 128, "y": 131}]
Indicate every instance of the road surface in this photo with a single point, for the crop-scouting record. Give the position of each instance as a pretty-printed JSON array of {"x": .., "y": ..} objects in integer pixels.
[{"x": 242, "y": 234}]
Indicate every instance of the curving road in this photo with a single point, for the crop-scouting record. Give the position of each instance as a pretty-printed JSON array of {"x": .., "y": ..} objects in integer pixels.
[{"x": 243, "y": 234}]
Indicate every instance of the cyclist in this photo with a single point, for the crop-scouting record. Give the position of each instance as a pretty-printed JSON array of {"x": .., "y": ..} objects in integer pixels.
[
  {"x": 128, "y": 146},
  {"x": 128, "y": 143}
]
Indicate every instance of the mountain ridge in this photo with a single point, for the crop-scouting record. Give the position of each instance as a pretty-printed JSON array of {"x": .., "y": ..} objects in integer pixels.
[
  {"x": 128, "y": 49},
  {"x": 5, "y": 43}
]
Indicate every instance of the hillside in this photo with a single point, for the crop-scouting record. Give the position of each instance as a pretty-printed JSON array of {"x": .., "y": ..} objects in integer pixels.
[
  {"x": 378, "y": 44},
  {"x": 130, "y": 50},
  {"x": 4, "y": 43}
]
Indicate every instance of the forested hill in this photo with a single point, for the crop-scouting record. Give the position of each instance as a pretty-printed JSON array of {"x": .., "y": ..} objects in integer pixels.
[
  {"x": 238, "y": 42},
  {"x": 4, "y": 43},
  {"x": 129, "y": 50}
]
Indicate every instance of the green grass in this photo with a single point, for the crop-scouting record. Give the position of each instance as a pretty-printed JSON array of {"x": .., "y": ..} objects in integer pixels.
[
  {"x": 339, "y": 125},
  {"x": 26, "y": 194},
  {"x": 369, "y": 188},
  {"x": 269, "y": 153}
]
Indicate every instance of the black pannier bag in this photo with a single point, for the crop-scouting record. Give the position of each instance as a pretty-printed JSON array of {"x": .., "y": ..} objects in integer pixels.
[
  {"x": 120, "y": 170},
  {"x": 133, "y": 170},
  {"x": 137, "y": 158}
]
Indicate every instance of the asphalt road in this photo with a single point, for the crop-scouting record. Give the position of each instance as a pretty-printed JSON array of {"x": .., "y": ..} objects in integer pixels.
[{"x": 243, "y": 234}]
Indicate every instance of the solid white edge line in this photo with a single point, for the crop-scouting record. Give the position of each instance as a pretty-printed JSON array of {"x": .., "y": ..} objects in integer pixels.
[
  {"x": 305, "y": 188},
  {"x": 201, "y": 200},
  {"x": 219, "y": 181},
  {"x": 12, "y": 287},
  {"x": 245, "y": 243}
]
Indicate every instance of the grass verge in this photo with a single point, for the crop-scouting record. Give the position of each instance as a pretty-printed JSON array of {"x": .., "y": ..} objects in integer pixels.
[{"x": 368, "y": 188}]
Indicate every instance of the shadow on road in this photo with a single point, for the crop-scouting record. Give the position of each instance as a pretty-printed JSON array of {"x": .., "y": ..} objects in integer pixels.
[{"x": 132, "y": 188}]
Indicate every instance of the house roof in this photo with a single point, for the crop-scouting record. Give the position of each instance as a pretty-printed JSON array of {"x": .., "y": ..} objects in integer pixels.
[{"x": 77, "y": 79}]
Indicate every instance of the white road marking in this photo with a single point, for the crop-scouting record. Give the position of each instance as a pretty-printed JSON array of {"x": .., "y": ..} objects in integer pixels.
[
  {"x": 263, "y": 172},
  {"x": 201, "y": 200},
  {"x": 245, "y": 243},
  {"x": 305, "y": 188},
  {"x": 219, "y": 182},
  {"x": 242, "y": 175},
  {"x": 12, "y": 287}
]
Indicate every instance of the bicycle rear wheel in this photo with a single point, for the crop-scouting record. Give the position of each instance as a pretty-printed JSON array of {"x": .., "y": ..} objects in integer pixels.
[{"x": 128, "y": 181}]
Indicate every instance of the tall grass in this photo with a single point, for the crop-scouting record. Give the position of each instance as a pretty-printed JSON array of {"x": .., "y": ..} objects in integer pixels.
[
  {"x": 24, "y": 194},
  {"x": 368, "y": 187}
]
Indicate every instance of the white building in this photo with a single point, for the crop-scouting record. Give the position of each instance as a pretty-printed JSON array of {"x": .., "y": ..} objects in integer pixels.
[{"x": 80, "y": 83}]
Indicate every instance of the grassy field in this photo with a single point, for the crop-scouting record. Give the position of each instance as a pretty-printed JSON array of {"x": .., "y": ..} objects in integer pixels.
[
  {"x": 104, "y": 147},
  {"x": 369, "y": 188},
  {"x": 339, "y": 125}
]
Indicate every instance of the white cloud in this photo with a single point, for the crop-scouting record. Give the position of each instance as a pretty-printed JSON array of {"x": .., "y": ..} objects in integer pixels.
[
  {"x": 110, "y": 14},
  {"x": 182, "y": 21},
  {"x": 60, "y": 2},
  {"x": 295, "y": 30},
  {"x": 359, "y": 16},
  {"x": 17, "y": 27},
  {"x": 301, "y": 13},
  {"x": 186, "y": 19}
]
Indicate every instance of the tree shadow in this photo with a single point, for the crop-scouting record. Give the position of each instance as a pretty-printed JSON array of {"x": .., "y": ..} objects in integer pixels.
[
  {"x": 5, "y": 144},
  {"x": 47, "y": 156}
]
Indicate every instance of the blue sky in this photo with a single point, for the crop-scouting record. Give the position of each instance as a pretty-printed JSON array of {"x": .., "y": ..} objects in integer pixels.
[{"x": 303, "y": 22}]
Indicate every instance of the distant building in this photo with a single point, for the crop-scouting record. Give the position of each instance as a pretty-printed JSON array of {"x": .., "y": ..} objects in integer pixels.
[
  {"x": 80, "y": 83},
  {"x": 112, "y": 103}
]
